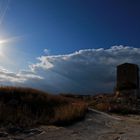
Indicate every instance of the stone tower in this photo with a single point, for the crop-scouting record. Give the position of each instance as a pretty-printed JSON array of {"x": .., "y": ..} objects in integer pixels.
[{"x": 128, "y": 79}]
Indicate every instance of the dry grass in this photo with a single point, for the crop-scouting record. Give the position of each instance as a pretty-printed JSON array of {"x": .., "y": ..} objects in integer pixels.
[
  {"x": 112, "y": 103},
  {"x": 27, "y": 107},
  {"x": 70, "y": 112}
]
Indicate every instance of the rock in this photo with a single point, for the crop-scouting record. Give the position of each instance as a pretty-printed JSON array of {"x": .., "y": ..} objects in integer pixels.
[
  {"x": 3, "y": 134},
  {"x": 14, "y": 130},
  {"x": 16, "y": 139},
  {"x": 117, "y": 138},
  {"x": 32, "y": 132},
  {"x": 35, "y": 131}
]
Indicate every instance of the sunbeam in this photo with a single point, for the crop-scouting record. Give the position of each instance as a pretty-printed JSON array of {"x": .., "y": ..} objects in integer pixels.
[{"x": 3, "y": 9}]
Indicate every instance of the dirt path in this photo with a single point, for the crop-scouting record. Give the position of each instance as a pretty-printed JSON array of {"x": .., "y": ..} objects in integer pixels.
[{"x": 96, "y": 126}]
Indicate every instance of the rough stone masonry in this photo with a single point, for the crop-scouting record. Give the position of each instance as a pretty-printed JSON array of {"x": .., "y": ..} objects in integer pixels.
[{"x": 128, "y": 79}]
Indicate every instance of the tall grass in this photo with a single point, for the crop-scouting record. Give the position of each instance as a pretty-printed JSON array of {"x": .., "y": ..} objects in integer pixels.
[{"x": 27, "y": 107}]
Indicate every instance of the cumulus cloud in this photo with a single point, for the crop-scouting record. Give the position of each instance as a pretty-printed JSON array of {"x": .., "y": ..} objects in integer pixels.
[
  {"x": 85, "y": 71},
  {"x": 46, "y": 51},
  {"x": 20, "y": 77}
]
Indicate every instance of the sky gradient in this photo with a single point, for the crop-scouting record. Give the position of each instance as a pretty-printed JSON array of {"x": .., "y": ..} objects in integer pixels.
[{"x": 59, "y": 41}]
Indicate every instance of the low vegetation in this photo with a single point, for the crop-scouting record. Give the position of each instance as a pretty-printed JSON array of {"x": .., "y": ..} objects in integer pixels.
[
  {"x": 110, "y": 103},
  {"x": 27, "y": 107},
  {"x": 113, "y": 104}
]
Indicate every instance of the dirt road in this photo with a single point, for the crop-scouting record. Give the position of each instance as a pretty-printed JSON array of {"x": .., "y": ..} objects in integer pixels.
[{"x": 96, "y": 126}]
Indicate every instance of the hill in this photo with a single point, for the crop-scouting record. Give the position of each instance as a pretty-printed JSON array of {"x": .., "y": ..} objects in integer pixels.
[{"x": 26, "y": 107}]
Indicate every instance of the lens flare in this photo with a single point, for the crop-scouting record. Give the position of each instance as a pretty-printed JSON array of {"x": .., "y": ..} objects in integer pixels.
[
  {"x": 1, "y": 48},
  {"x": 4, "y": 45}
]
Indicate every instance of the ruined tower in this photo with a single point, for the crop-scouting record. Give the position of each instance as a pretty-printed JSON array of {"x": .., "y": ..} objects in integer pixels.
[{"x": 128, "y": 79}]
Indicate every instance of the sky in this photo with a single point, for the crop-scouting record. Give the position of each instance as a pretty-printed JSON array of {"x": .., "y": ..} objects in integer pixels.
[{"x": 70, "y": 46}]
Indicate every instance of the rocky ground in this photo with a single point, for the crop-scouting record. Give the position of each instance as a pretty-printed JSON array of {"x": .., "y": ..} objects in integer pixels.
[{"x": 96, "y": 126}]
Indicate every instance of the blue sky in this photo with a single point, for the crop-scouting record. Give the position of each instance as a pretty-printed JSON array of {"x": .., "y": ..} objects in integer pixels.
[{"x": 63, "y": 27}]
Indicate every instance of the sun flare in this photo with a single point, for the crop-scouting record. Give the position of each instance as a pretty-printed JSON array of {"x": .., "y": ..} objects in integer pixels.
[
  {"x": 1, "y": 48},
  {"x": 4, "y": 43}
]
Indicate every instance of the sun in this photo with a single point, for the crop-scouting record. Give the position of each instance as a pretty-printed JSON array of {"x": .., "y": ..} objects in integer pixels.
[
  {"x": 1, "y": 48},
  {"x": 5, "y": 45}
]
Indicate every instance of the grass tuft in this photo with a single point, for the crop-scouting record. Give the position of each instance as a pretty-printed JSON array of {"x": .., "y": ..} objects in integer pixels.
[{"x": 26, "y": 107}]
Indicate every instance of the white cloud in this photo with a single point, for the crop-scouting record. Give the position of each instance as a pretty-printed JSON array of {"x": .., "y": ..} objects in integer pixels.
[
  {"x": 84, "y": 71},
  {"x": 46, "y": 51},
  {"x": 21, "y": 77}
]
